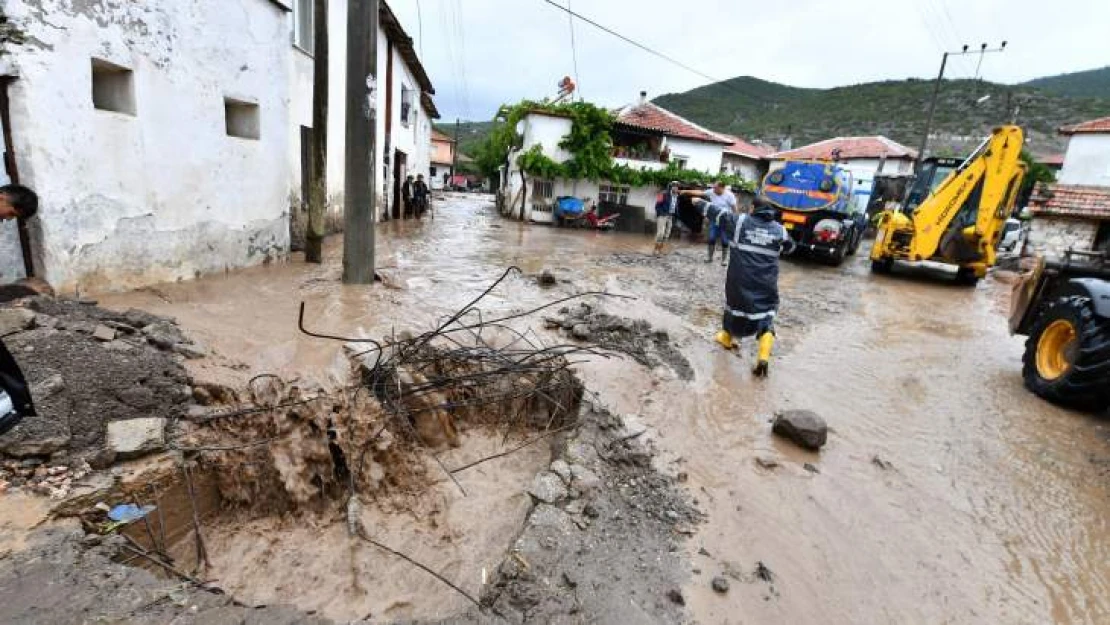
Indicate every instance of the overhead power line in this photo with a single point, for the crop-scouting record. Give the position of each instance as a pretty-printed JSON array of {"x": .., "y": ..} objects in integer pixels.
[
  {"x": 573, "y": 50},
  {"x": 633, "y": 42}
]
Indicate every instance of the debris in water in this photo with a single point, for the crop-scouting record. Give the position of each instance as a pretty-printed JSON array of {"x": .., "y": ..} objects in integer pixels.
[
  {"x": 676, "y": 597},
  {"x": 764, "y": 573},
  {"x": 804, "y": 427},
  {"x": 125, "y": 513},
  {"x": 720, "y": 585},
  {"x": 811, "y": 468},
  {"x": 882, "y": 464}
]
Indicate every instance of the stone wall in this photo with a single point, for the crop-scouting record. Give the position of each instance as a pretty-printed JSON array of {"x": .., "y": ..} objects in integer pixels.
[{"x": 1053, "y": 235}]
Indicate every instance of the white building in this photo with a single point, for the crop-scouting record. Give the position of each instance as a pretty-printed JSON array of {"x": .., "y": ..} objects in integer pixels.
[
  {"x": 749, "y": 160},
  {"x": 164, "y": 142},
  {"x": 1075, "y": 211},
  {"x": 864, "y": 157},
  {"x": 404, "y": 104},
  {"x": 645, "y": 136}
]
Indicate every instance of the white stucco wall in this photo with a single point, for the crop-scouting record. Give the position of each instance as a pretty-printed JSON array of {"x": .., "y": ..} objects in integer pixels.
[
  {"x": 1087, "y": 160},
  {"x": 700, "y": 156},
  {"x": 164, "y": 194},
  {"x": 546, "y": 131},
  {"x": 746, "y": 168},
  {"x": 414, "y": 141}
]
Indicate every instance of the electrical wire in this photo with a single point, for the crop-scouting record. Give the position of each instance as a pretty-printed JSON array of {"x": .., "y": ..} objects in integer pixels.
[
  {"x": 633, "y": 42},
  {"x": 573, "y": 51}
]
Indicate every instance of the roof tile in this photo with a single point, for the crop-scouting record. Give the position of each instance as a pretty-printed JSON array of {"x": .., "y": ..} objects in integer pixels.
[
  {"x": 746, "y": 149},
  {"x": 849, "y": 147},
  {"x": 1101, "y": 125},
  {"x": 654, "y": 118},
  {"x": 1071, "y": 200}
]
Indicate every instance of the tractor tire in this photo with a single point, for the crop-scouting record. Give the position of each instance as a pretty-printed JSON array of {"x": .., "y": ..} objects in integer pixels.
[
  {"x": 1067, "y": 355},
  {"x": 965, "y": 276}
]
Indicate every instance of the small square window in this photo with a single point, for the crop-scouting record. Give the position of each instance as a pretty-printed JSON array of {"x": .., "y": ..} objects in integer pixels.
[
  {"x": 242, "y": 119},
  {"x": 113, "y": 87}
]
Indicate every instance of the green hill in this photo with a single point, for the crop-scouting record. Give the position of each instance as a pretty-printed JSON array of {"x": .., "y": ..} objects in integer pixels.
[
  {"x": 470, "y": 134},
  {"x": 758, "y": 109},
  {"x": 1093, "y": 83}
]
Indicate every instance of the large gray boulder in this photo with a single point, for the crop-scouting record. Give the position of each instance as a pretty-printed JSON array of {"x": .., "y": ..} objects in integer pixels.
[
  {"x": 15, "y": 320},
  {"x": 804, "y": 427}
]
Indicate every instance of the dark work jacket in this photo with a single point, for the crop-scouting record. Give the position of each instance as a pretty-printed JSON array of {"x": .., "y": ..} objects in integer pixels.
[
  {"x": 663, "y": 206},
  {"x": 406, "y": 190},
  {"x": 15, "y": 385},
  {"x": 755, "y": 242},
  {"x": 419, "y": 190}
]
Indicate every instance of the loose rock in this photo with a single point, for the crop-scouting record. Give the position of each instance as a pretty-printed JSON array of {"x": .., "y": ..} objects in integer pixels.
[
  {"x": 546, "y": 279},
  {"x": 136, "y": 437},
  {"x": 104, "y": 333},
  {"x": 548, "y": 488},
  {"x": 804, "y": 427},
  {"x": 720, "y": 585},
  {"x": 581, "y": 332},
  {"x": 15, "y": 320},
  {"x": 192, "y": 351},
  {"x": 676, "y": 596},
  {"x": 562, "y": 469}
]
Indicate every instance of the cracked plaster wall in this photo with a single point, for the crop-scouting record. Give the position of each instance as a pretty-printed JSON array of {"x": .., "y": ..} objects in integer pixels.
[{"x": 164, "y": 194}]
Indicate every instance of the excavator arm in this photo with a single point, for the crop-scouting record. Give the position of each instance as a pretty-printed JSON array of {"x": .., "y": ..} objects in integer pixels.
[{"x": 960, "y": 222}]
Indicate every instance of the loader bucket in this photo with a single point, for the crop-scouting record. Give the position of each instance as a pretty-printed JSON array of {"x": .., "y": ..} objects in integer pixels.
[{"x": 1025, "y": 292}]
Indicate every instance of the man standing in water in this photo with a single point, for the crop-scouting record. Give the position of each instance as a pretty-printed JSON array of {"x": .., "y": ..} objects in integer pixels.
[
  {"x": 752, "y": 281},
  {"x": 665, "y": 209},
  {"x": 722, "y": 198}
]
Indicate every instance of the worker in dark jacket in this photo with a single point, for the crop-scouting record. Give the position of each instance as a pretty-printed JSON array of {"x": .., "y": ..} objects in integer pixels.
[
  {"x": 15, "y": 395},
  {"x": 752, "y": 281}
]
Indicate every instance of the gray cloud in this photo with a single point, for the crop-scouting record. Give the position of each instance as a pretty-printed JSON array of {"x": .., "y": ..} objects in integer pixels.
[{"x": 481, "y": 53}]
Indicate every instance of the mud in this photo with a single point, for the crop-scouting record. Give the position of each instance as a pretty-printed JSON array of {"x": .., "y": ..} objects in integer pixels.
[
  {"x": 992, "y": 505},
  {"x": 81, "y": 383}
]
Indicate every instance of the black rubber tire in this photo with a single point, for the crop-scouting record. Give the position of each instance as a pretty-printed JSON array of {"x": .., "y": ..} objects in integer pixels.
[
  {"x": 884, "y": 266},
  {"x": 857, "y": 237},
  {"x": 966, "y": 277},
  {"x": 837, "y": 258},
  {"x": 1086, "y": 385}
]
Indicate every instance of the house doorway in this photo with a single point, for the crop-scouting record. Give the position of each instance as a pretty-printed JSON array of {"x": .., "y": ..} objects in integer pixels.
[{"x": 399, "y": 169}]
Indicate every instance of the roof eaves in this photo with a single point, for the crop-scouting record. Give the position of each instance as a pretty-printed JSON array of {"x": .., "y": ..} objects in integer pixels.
[{"x": 397, "y": 35}]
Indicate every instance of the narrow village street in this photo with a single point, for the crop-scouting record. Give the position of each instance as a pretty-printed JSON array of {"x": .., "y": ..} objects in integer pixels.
[{"x": 947, "y": 492}]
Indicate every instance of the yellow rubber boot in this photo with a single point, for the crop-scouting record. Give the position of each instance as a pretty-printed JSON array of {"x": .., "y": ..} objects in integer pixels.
[
  {"x": 763, "y": 362},
  {"x": 725, "y": 339}
]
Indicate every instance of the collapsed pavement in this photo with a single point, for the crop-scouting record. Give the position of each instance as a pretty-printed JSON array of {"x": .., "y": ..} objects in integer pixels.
[{"x": 275, "y": 448}]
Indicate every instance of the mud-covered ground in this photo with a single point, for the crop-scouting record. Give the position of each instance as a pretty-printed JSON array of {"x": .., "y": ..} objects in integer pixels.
[{"x": 946, "y": 492}]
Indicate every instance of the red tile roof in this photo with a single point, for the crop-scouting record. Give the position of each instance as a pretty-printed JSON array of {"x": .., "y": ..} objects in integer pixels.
[
  {"x": 740, "y": 147},
  {"x": 850, "y": 147},
  {"x": 648, "y": 116},
  {"x": 439, "y": 136},
  {"x": 1052, "y": 160},
  {"x": 1101, "y": 125},
  {"x": 1071, "y": 200}
]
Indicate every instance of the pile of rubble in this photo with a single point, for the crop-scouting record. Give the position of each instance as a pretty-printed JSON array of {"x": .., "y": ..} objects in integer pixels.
[
  {"x": 636, "y": 338},
  {"x": 105, "y": 384}
]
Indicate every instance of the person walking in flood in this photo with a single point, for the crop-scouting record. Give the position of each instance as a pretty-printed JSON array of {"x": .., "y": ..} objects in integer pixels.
[
  {"x": 406, "y": 196},
  {"x": 666, "y": 207},
  {"x": 752, "y": 279},
  {"x": 420, "y": 196},
  {"x": 720, "y": 196}
]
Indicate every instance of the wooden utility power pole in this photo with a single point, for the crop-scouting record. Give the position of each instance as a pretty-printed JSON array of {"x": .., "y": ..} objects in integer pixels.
[
  {"x": 360, "y": 192},
  {"x": 318, "y": 151}
]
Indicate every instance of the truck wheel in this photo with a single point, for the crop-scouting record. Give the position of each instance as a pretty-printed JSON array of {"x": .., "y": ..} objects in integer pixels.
[
  {"x": 965, "y": 276},
  {"x": 883, "y": 266},
  {"x": 837, "y": 258},
  {"x": 857, "y": 237},
  {"x": 1067, "y": 355}
]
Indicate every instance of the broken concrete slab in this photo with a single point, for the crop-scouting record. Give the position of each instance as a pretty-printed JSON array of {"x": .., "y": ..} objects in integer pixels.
[
  {"x": 804, "y": 427},
  {"x": 163, "y": 335},
  {"x": 14, "y": 320},
  {"x": 136, "y": 437}
]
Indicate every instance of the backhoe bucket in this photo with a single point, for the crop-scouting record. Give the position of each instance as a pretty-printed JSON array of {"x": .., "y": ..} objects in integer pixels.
[{"x": 1025, "y": 290}]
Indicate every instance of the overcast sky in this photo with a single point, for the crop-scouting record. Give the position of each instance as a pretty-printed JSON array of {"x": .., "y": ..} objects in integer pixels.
[{"x": 482, "y": 53}]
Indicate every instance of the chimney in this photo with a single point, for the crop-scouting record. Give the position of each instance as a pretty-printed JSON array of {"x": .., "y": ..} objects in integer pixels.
[{"x": 643, "y": 97}]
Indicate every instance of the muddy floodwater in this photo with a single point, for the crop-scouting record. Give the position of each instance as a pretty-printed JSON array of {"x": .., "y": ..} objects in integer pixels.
[{"x": 947, "y": 493}]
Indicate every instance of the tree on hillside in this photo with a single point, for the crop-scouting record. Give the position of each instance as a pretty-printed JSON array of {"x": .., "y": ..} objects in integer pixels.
[{"x": 1037, "y": 173}]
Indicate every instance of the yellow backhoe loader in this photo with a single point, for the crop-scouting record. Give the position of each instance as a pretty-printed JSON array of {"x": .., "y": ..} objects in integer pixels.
[{"x": 955, "y": 216}]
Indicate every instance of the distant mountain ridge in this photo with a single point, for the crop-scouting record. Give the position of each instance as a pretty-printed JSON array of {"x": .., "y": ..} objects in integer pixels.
[{"x": 758, "y": 109}]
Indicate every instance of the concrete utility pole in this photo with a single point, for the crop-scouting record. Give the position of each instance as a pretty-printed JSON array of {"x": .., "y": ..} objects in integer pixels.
[
  {"x": 360, "y": 188},
  {"x": 455, "y": 153},
  {"x": 936, "y": 91},
  {"x": 318, "y": 151}
]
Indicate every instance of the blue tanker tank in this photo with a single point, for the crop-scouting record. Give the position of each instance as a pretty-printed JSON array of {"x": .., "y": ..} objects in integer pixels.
[{"x": 815, "y": 205}]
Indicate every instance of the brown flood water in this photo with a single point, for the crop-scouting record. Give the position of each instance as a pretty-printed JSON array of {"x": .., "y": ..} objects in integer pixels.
[{"x": 994, "y": 507}]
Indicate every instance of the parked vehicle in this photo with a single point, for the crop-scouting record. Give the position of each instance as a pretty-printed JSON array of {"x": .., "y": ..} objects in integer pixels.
[
  {"x": 1011, "y": 235},
  {"x": 1063, "y": 306},
  {"x": 815, "y": 204}
]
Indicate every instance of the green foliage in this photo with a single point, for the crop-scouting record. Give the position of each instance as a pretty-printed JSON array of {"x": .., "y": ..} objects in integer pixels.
[
  {"x": 590, "y": 145},
  {"x": 1037, "y": 173},
  {"x": 1094, "y": 83}
]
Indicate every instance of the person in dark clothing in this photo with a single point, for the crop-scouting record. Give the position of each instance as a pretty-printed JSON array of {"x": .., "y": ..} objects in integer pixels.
[
  {"x": 666, "y": 205},
  {"x": 420, "y": 196},
  {"x": 406, "y": 196},
  {"x": 15, "y": 394},
  {"x": 752, "y": 281}
]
